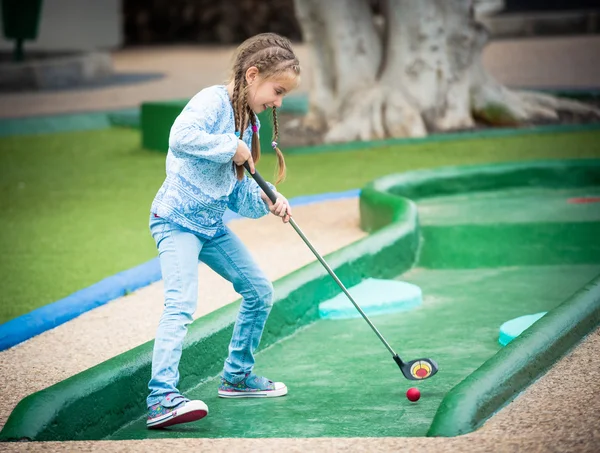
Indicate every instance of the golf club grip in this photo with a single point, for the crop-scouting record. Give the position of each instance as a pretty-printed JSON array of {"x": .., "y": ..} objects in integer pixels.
[{"x": 262, "y": 183}]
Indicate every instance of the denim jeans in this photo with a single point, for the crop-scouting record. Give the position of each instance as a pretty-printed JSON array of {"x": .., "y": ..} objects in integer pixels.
[{"x": 180, "y": 250}]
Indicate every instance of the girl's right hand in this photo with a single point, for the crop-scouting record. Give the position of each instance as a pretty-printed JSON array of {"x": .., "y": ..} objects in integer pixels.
[{"x": 242, "y": 155}]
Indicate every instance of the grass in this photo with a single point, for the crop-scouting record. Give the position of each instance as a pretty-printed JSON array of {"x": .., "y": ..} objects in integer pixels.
[{"x": 75, "y": 205}]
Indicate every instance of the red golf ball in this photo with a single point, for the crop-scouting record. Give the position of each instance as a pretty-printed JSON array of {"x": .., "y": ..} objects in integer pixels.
[{"x": 413, "y": 394}]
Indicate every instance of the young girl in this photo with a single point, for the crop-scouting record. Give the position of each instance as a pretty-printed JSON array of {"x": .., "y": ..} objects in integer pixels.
[{"x": 215, "y": 134}]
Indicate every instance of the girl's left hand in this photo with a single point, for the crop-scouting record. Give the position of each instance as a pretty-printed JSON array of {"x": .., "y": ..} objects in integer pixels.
[{"x": 281, "y": 208}]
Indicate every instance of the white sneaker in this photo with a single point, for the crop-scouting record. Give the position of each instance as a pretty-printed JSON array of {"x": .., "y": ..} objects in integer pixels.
[
  {"x": 252, "y": 386},
  {"x": 175, "y": 409}
]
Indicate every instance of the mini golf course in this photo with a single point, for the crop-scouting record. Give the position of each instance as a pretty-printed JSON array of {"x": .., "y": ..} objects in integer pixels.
[{"x": 485, "y": 244}]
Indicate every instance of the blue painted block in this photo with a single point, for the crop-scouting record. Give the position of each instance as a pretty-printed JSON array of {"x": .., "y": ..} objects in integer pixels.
[
  {"x": 515, "y": 327},
  {"x": 375, "y": 297}
]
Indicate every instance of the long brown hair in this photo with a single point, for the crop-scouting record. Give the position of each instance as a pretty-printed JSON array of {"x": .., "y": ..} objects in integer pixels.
[{"x": 272, "y": 55}]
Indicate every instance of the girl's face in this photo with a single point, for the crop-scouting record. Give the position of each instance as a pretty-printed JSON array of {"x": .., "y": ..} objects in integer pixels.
[{"x": 267, "y": 93}]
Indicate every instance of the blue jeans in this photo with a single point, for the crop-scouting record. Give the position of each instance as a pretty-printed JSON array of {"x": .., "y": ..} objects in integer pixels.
[{"x": 180, "y": 250}]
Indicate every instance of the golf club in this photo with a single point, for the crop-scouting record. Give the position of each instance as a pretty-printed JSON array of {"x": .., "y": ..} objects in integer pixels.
[{"x": 414, "y": 370}]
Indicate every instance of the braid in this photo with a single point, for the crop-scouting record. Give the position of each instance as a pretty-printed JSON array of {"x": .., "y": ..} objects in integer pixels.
[
  {"x": 281, "y": 169},
  {"x": 275, "y": 125},
  {"x": 271, "y": 54},
  {"x": 255, "y": 149},
  {"x": 255, "y": 138},
  {"x": 250, "y": 116},
  {"x": 238, "y": 80}
]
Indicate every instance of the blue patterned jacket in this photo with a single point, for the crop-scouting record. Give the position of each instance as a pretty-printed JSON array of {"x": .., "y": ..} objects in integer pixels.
[{"x": 201, "y": 181}]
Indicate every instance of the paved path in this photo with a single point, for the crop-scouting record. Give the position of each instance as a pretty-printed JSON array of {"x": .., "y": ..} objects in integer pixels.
[{"x": 535, "y": 62}]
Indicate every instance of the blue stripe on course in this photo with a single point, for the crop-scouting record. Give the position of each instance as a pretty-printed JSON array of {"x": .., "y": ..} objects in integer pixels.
[
  {"x": 303, "y": 201},
  {"x": 54, "y": 314}
]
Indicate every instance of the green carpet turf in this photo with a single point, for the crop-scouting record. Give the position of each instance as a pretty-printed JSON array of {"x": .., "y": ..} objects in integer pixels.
[{"x": 343, "y": 382}]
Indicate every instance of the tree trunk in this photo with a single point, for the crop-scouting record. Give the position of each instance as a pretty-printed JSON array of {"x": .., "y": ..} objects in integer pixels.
[
  {"x": 428, "y": 58},
  {"x": 423, "y": 74},
  {"x": 345, "y": 51}
]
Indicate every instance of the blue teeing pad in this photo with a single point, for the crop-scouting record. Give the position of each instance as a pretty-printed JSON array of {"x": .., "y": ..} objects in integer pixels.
[
  {"x": 375, "y": 297},
  {"x": 515, "y": 327}
]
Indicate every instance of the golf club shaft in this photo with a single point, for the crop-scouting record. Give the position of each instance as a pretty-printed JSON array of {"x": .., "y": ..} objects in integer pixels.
[
  {"x": 267, "y": 190},
  {"x": 340, "y": 284}
]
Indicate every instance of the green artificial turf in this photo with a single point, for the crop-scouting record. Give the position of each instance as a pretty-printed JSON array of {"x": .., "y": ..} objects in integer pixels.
[
  {"x": 343, "y": 384},
  {"x": 75, "y": 205}
]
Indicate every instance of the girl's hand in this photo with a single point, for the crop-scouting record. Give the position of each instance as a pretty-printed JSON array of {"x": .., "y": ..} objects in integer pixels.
[
  {"x": 243, "y": 154},
  {"x": 281, "y": 208}
]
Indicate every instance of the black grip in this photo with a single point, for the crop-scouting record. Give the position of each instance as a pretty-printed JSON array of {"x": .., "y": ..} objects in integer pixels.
[{"x": 261, "y": 183}]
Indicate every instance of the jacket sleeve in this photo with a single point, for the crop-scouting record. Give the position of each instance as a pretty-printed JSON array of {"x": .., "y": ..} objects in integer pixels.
[
  {"x": 246, "y": 200},
  {"x": 190, "y": 134}
]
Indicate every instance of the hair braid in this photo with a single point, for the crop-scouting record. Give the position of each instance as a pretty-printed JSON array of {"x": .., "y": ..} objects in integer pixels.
[
  {"x": 281, "y": 169},
  {"x": 238, "y": 80},
  {"x": 255, "y": 149}
]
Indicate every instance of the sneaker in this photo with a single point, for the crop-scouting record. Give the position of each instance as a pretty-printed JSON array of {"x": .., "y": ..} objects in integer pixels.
[
  {"x": 252, "y": 386},
  {"x": 174, "y": 409}
]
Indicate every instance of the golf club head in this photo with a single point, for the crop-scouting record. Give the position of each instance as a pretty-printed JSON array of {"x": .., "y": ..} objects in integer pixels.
[{"x": 417, "y": 370}]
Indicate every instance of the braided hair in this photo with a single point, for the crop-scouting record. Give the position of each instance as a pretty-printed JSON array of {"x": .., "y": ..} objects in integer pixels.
[{"x": 272, "y": 55}]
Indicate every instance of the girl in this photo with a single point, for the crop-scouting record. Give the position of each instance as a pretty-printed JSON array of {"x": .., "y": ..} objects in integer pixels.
[{"x": 215, "y": 134}]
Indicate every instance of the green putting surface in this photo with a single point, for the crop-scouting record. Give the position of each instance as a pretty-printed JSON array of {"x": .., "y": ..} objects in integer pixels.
[
  {"x": 341, "y": 379},
  {"x": 518, "y": 205},
  {"x": 343, "y": 382}
]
